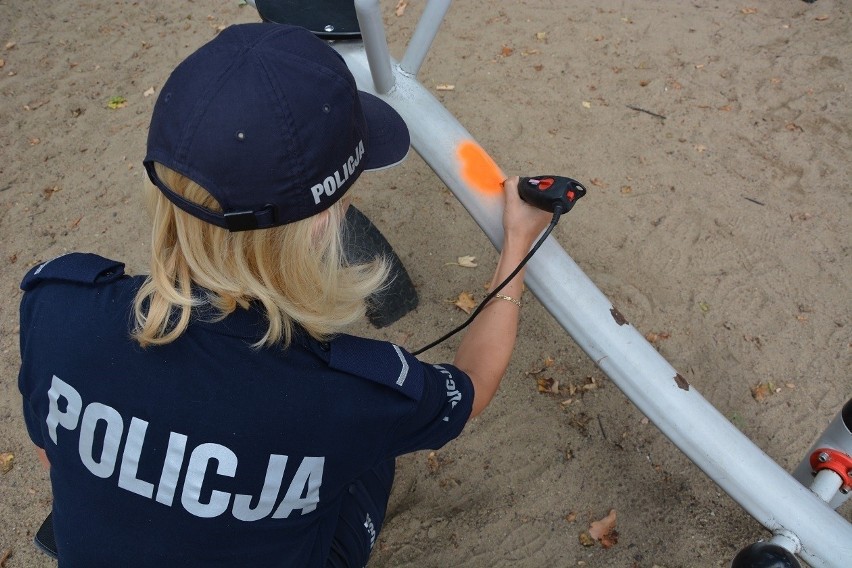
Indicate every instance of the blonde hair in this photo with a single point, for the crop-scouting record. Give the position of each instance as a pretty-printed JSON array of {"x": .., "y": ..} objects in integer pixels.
[{"x": 296, "y": 274}]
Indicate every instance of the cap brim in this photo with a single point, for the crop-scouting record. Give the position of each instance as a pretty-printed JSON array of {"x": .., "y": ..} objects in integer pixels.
[{"x": 388, "y": 141}]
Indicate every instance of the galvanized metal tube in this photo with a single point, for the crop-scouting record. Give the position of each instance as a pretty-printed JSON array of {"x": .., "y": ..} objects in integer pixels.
[
  {"x": 424, "y": 35},
  {"x": 376, "y": 44},
  {"x": 787, "y": 540},
  {"x": 730, "y": 459},
  {"x": 826, "y": 484}
]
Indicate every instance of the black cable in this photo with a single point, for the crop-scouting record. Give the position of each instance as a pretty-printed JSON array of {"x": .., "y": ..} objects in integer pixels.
[{"x": 556, "y": 214}]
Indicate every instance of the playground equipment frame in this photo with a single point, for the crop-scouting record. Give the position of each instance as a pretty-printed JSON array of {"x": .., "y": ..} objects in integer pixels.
[{"x": 800, "y": 520}]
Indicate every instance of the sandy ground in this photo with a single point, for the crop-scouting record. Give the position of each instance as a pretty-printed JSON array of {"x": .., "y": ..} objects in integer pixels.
[{"x": 723, "y": 230}]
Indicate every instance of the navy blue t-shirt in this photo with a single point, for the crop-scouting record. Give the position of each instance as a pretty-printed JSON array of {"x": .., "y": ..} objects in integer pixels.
[{"x": 205, "y": 451}]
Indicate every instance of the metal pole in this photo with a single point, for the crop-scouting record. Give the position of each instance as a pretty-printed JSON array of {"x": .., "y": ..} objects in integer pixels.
[
  {"x": 424, "y": 35},
  {"x": 825, "y": 485},
  {"x": 736, "y": 464},
  {"x": 376, "y": 44}
]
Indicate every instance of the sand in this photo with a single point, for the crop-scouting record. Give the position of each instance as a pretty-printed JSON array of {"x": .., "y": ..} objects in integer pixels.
[{"x": 722, "y": 231}]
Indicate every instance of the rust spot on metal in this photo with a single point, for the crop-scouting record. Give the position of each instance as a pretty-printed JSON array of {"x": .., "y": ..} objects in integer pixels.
[
  {"x": 616, "y": 315},
  {"x": 681, "y": 382}
]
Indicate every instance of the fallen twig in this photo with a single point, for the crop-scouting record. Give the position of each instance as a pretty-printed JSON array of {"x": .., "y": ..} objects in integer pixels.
[
  {"x": 755, "y": 201},
  {"x": 600, "y": 424},
  {"x": 638, "y": 109}
]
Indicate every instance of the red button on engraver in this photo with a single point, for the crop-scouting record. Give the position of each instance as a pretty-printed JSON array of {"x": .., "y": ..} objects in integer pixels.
[{"x": 545, "y": 184}]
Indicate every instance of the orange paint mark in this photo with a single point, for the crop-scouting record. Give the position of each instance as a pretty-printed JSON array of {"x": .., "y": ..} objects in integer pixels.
[{"x": 478, "y": 170}]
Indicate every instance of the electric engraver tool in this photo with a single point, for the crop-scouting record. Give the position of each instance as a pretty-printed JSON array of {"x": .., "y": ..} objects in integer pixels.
[{"x": 555, "y": 194}]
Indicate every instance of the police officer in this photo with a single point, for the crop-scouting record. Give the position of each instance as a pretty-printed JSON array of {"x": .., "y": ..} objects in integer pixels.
[{"x": 213, "y": 412}]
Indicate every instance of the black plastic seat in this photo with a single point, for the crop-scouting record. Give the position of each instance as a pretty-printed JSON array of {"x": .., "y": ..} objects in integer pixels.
[{"x": 327, "y": 19}]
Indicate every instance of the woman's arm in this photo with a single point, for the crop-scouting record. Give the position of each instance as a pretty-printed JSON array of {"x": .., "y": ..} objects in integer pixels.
[
  {"x": 486, "y": 348},
  {"x": 42, "y": 457}
]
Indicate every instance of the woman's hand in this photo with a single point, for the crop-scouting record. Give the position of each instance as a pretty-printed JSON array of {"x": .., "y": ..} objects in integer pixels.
[{"x": 522, "y": 223}]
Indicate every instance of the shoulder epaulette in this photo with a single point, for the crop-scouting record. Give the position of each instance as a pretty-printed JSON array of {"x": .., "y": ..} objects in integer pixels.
[
  {"x": 75, "y": 267},
  {"x": 378, "y": 361}
]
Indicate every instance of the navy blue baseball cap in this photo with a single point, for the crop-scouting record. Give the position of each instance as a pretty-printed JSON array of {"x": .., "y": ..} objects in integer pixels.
[{"x": 268, "y": 119}]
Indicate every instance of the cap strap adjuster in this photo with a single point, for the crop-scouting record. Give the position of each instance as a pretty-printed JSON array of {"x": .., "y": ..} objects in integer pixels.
[{"x": 249, "y": 220}]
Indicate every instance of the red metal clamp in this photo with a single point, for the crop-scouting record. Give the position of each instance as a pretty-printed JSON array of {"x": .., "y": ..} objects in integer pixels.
[{"x": 836, "y": 461}]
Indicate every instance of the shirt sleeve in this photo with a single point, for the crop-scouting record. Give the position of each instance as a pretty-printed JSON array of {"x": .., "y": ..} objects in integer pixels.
[
  {"x": 24, "y": 380},
  {"x": 441, "y": 412}
]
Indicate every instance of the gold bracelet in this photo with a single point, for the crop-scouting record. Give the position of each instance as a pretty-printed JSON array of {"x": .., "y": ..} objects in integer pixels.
[{"x": 509, "y": 299}]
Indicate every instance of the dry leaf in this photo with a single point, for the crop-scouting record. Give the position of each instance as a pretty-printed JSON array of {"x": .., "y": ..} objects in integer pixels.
[
  {"x": 625, "y": 189},
  {"x": 760, "y": 391},
  {"x": 653, "y": 337},
  {"x": 467, "y": 261},
  {"x": 2, "y": 63},
  {"x": 541, "y": 36},
  {"x": 538, "y": 67},
  {"x": 148, "y": 92},
  {"x": 12, "y": 44},
  {"x": 749, "y": 10},
  {"x": 7, "y": 460},
  {"x": 432, "y": 461},
  {"x": 49, "y": 191},
  {"x": 35, "y": 141},
  {"x": 506, "y": 51},
  {"x": 4, "y": 557},
  {"x": 400, "y": 7},
  {"x": 599, "y": 183},
  {"x": 821, "y": 18},
  {"x": 571, "y": 517},
  {"x": 586, "y": 539},
  {"x": 604, "y": 531},
  {"x": 547, "y": 385},
  {"x": 465, "y": 302},
  {"x": 587, "y": 104},
  {"x": 445, "y": 87}
]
